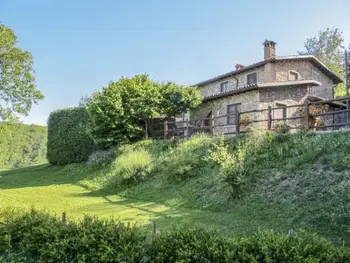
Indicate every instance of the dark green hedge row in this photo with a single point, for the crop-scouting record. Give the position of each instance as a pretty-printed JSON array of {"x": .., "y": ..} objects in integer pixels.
[
  {"x": 39, "y": 237},
  {"x": 67, "y": 138}
]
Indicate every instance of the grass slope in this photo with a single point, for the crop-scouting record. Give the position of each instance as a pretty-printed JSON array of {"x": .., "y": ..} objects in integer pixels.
[
  {"x": 295, "y": 181},
  {"x": 57, "y": 189}
]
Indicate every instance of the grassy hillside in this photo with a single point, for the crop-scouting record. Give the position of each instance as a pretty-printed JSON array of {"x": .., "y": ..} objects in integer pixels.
[
  {"x": 58, "y": 189},
  {"x": 274, "y": 182},
  {"x": 22, "y": 145}
]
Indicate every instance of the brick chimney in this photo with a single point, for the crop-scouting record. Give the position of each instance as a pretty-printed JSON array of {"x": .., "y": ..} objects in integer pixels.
[
  {"x": 269, "y": 49},
  {"x": 239, "y": 66}
]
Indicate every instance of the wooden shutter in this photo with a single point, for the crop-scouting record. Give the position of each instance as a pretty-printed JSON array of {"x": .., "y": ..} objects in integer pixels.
[{"x": 231, "y": 109}]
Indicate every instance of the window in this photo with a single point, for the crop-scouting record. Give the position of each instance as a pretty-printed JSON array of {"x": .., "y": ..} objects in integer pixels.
[
  {"x": 281, "y": 112},
  {"x": 231, "y": 109},
  {"x": 293, "y": 75},
  {"x": 252, "y": 78},
  {"x": 208, "y": 119},
  {"x": 224, "y": 86}
]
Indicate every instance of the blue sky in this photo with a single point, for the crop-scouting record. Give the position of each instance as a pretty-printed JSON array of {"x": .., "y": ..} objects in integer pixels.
[{"x": 79, "y": 46}]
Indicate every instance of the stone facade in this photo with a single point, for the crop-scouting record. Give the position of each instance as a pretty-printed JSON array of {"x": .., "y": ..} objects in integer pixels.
[
  {"x": 279, "y": 71},
  {"x": 214, "y": 88},
  {"x": 286, "y": 96},
  {"x": 249, "y": 101},
  {"x": 274, "y": 71},
  {"x": 306, "y": 71}
]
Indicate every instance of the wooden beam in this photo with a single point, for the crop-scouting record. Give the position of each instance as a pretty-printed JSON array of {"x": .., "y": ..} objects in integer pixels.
[
  {"x": 269, "y": 118},
  {"x": 306, "y": 109}
]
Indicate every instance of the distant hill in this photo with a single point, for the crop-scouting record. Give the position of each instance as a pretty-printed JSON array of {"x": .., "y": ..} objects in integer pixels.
[{"x": 22, "y": 145}]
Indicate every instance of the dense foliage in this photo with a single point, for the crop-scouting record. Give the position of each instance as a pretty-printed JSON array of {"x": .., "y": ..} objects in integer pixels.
[
  {"x": 38, "y": 237},
  {"x": 186, "y": 160},
  {"x": 22, "y": 145},
  {"x": 17, "y": 83},
  {"x": 67, "y": 138},
  {"x": 327, "y": 46},
  {"x": 262, "y": 170},
  {"x": 117, "y": 113}
]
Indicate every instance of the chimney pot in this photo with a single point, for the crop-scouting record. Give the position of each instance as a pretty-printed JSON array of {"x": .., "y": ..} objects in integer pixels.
[
  {"x": 269, "y": 49},
  {"x": 239, "y": 66}
]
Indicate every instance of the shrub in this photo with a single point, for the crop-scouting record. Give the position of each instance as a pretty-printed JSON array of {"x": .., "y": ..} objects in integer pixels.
[
  {"x": 132, "y": 167},
  {"x": 101, "y": 158},
  {"x": 184, "y": 161},
  {"x": 232, "y": 164},
  {"x": 282, "y": 127},
  {"x": 67, "y": 139},
  {"x": 38, "y": 237},
  {"x": 197, "y": 245}
]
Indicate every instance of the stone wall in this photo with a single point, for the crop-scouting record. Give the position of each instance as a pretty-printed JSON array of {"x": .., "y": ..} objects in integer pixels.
[
  {"x": 249, "y": 101},
  {"x": 277, "y": 72},
  {"x": 214, "y": 88},
  {"x": 306, "y": 71},
  {"x": 284, "y": 95}
]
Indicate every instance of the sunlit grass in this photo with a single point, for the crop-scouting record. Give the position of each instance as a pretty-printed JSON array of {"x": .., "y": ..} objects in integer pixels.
[{"x": 57, "y": 190}]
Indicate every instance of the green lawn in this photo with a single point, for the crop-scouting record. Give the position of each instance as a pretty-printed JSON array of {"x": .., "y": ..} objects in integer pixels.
[
  {"x": 314, "y": 201},
  {"x": 57, "y": 189}
]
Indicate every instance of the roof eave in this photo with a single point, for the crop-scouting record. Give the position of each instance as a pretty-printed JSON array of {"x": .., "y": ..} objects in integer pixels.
[
  {"x": 330, "y": 74},
  {"x": 234, "y": 72},
  {"x": 262, "y": 85}
]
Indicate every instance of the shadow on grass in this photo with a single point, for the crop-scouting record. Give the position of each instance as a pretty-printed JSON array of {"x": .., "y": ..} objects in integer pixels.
[
  {"x": 42, "y": 175},
  {"x": 239, "y": 222}
]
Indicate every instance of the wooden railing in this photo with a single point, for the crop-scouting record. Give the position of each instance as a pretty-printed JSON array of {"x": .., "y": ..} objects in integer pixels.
[{"x": 186, "y": 128}]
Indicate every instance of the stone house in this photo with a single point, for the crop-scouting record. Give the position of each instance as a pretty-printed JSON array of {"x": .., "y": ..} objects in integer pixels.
[{"x": 275, "y": 81}]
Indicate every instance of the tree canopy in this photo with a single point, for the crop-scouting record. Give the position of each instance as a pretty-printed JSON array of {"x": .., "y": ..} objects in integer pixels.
[
  {"x": 17, "y": 83},
  {"x": 328, "y": 47},
  {"x": 22, "y": 145},
  {"x": 116, "y": 112}
]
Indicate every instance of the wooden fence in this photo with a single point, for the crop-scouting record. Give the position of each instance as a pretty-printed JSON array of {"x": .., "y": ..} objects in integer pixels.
[{"x": 188, "y": 127}]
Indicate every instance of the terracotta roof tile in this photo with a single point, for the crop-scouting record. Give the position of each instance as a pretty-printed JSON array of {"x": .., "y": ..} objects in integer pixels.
[{"x": 335, "y": 78}]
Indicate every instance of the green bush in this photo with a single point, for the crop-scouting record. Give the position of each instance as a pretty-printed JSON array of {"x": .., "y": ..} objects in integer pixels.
[
  {"x": 38, "y": 237},
  {"x": 67, "y": 138},
  {"x": 282, "y": 127},
  {"x": 196, "y": 245},
  {"x": 184, "y": 161},
  {"x": 132, "y": 167},
  {"x": 232, "y": 163}
]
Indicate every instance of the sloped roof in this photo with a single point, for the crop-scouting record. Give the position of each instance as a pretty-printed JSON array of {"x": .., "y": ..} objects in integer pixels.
[
  {"x": 261, "y": 85},
  {"x": 335, "y": 78}
]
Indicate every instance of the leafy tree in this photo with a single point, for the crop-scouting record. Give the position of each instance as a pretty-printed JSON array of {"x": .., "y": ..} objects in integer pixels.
[
  {"x": 22, "y": 145},
  {"x": 17, "y": 83},
  {"x": 328, "y": 48},
  {"x": 83, "y": 101},
  {"x": 176, "y": 100},
  {"x": 116, "y": 112}
]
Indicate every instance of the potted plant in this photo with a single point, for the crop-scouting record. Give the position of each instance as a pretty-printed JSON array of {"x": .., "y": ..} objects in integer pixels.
[
  {"x": 282, "y": 127},
  {"x": 317, "y": 109},
  {"x": 245, "y": 122}
]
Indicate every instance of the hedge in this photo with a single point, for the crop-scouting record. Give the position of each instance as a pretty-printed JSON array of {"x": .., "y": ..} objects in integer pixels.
[
  {"x": 39, "y": 237},
  {"x": 67, "y": 138}
]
